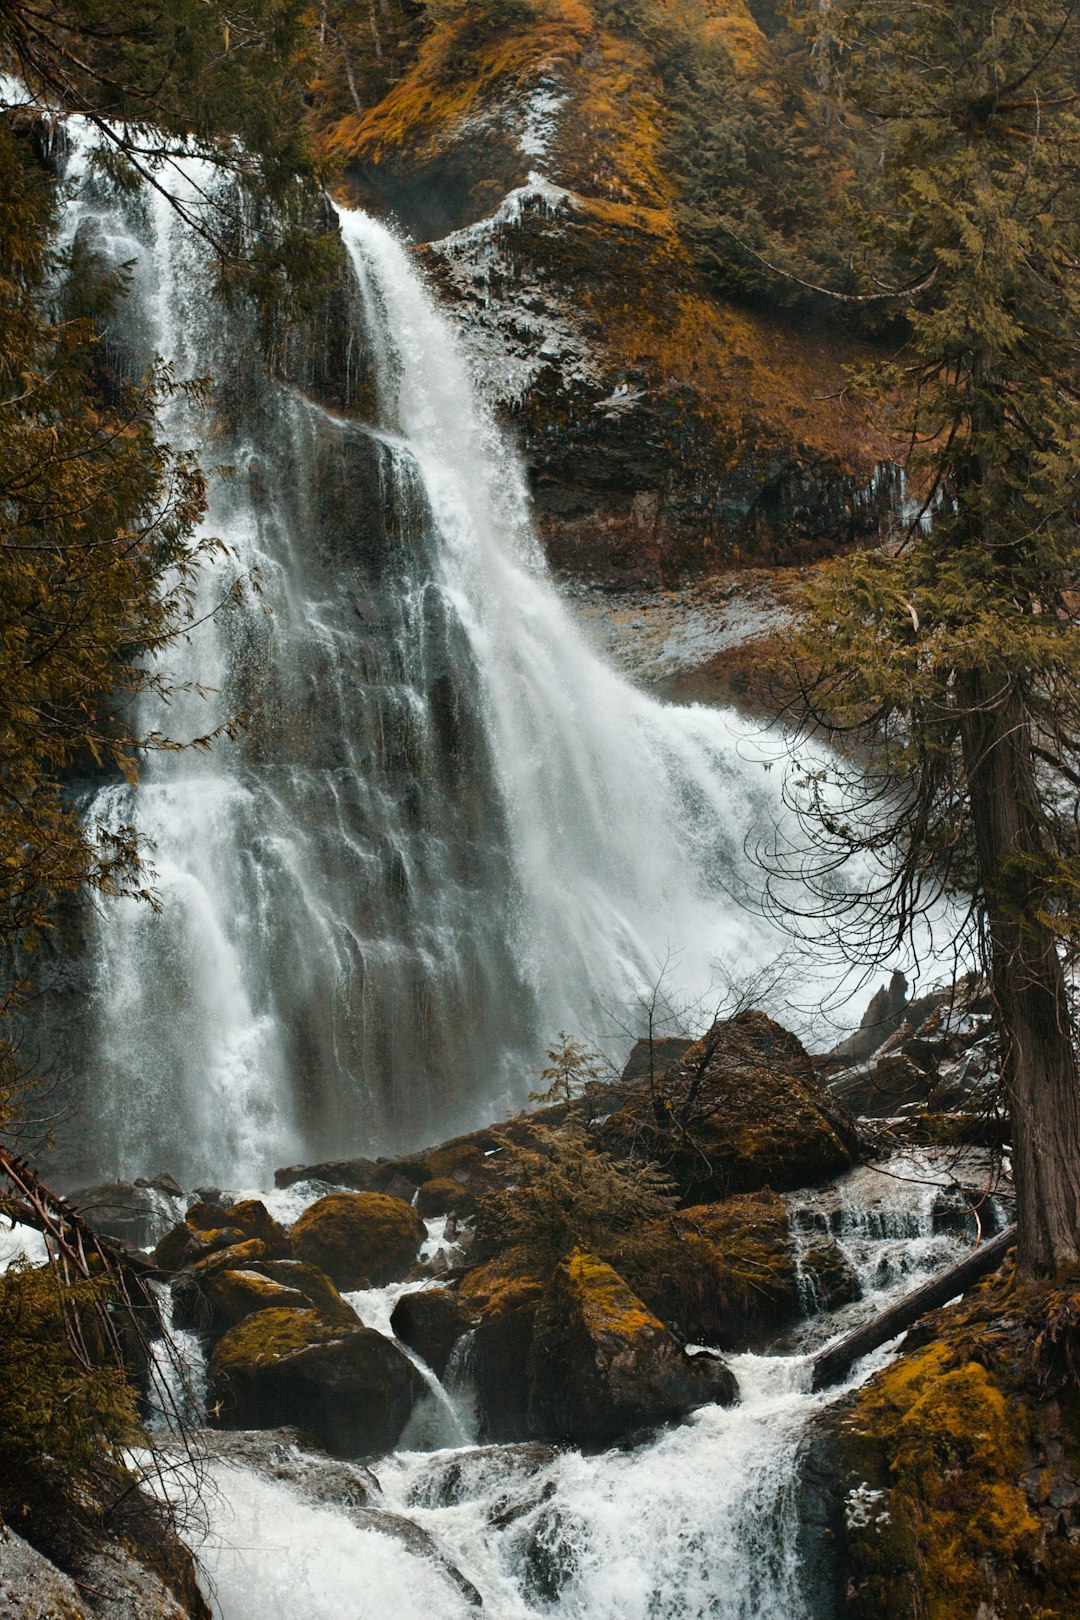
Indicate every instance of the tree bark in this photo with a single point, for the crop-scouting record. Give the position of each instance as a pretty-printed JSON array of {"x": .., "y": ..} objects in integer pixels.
[{"x": 1028, "y": 983}]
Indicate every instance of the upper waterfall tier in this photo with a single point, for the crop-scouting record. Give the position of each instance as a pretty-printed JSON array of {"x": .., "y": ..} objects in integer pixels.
[{"x": 449, "y": 830}]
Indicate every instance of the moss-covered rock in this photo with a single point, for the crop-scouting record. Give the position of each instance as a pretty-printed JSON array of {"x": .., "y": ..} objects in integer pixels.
[
  {"x": 215, "y": 1301},
  {"x": 353, "y": 1389},
  {"x": 431, "y": 1322},
  {"x": 501, "y": 1297},
  {"x": 254, "y": 1219},
  {"x": 359, "y": 1239},
  {"x": 959, "y": 1466},
  {"x": 601, "y": 1364},
  {"x": 316, "y": 1288},
  {"x": 721, "y": 1274},
  {"x": 445, "y": 1196},
  {"x": 740, "y": 1110}
]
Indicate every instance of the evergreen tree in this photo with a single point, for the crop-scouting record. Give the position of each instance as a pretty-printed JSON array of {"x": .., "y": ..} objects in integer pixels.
[{"x": 949, "y": 663}]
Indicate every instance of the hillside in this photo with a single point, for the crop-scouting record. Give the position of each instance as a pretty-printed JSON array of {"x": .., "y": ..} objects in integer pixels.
[{"x": 531, "y": 148}]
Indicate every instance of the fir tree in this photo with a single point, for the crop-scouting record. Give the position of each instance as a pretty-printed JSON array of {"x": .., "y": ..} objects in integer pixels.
[{"x": 949, "y": 663}]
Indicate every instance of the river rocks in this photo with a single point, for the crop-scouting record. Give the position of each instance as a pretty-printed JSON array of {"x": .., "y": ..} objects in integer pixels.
[
  {"x": 958, "y": 1466},
  {"x": 721, "y": 1274},
  {"x": 315, "y": 1286},
  {"x": 359, "y": 1239},
  {"x": 134, "y": 1214},
  {"x": 503, "y": 1295},
  {"x": 601, "y": 1364},
  {"x": 216, "y": 1302},
  {"x": 254, "y": 1219},
  {"x": 354, "y": 1390},
  {"x": 431, "y": 1321},
  {"x": 740, "y": 1110}
]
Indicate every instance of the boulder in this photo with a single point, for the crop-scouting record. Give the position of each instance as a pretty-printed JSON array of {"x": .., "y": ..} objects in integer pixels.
[
  {"x": 431, "y": 1322},
  {"x": 722, "y": 1274},
  {"x": 602, "y": 1365},
  {"x": 315, "y": 1286},
  {"x": 215, "y": 1302},
  {"x": 184, "y": 1245},
  {"x": 445, "y": 1196},
  {"x": 502, "y": 1296},
  {"x": 359, "y": 1239},
  {"x": 254, "y": 1219},
  {"x": 740, "y": 1110},
  {"x": 831, "y": 1276},
  {"x": 352, "y": 1388},
  {"x": 139, "y": 1215}
]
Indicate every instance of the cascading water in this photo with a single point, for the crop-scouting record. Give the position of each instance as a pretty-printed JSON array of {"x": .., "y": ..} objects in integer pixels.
[
  {"x": 450, "y": 828},
  {"x": 699, "y": 1523}
]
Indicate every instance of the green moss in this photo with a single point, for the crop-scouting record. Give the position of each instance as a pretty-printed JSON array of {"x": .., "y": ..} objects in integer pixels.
[
  {"x": 606, "y": 1303},
  {"x": 359, "y": 1238},
  {"x": 269, "y": 1337},
  {"x": 963, "y": 1454}
]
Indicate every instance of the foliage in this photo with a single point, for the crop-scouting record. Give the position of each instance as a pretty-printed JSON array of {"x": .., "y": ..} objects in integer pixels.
[
  {"x": 948, "y": 664},
  {"x": 568, "y": 1195},
  {"x": 222, "y": 81},
  {"x": 570, "y": 1071},
  {"x": 57, "y": 1420}
]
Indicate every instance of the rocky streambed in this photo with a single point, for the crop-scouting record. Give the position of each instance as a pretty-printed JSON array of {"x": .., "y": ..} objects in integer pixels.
[{"x": 494, "y": 1376}]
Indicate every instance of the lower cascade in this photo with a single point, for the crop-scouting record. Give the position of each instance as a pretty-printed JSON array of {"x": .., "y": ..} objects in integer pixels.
[
  {"x": 702, "y": 1521},
  {"x": 449, "y": 828}
]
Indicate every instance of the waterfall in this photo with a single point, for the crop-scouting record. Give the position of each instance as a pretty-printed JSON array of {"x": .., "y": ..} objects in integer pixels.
[{"x": 450, "y": 829}]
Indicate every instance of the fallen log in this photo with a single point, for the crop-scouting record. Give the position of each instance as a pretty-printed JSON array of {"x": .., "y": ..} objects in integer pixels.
[{"x": 834, "y": 1363}]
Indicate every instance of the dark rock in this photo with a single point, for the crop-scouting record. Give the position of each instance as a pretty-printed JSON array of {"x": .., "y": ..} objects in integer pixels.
[
  {"x": 881, "y": 1019},
  {"x": 209, "y": 1195},
  {"x": 445, "y": 1196},
  {"x": 353, "y": 1389},
  {"x": 740, "y": 1110},
  {"x": 831, "y": 1276},
  {"x": 359, "y": 1239},
  {"x": 602, "y": 1365},
  {"x": 204, "y": 1215},
  {"x": 362, "y": 1175},
  {"x": 139, "y": 1215},
  {"x": 722, "y": 1274},
  {"x": 216, "y": 1302},
  {"x": 253, "y": 1218},
  {"x": 504, "y": 1297},
  {"x": 431, "y": 1321},
  {"x": 162, "y": 1182},
  {"x": 315, "y": 1286}
]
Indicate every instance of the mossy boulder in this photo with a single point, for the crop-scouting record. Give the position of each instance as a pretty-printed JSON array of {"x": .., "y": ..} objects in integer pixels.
[
  {"x": 315, "y": 1286},
  {"x": 353, "y": 1389},
  {"x": 601, "y": 1364},
  {"x": 359, "y": 1239},
  {"x": 186, "y": 1245},
  {"x": 215, "y": 1301},
  {"x": 252, "y": 1217},
  {"x": 722, "y": 1274},
  {"x": 957, "y": 1467},
  {"x": 740, "y": 1110},
  {"x": 830, "y": 1275},
  {"x": 445, "y": 1196},
  {"x": 430, "y": 1321},
  {"x": 501, "y": 1297}
]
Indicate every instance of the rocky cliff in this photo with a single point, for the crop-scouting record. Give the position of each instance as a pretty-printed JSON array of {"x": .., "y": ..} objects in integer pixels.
[{"x": 524, "y": 144}]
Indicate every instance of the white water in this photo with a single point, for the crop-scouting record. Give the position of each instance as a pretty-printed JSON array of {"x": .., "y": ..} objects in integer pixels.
[
  {"x": 452, "y": 828},
  {"x": 700, "y": 1523}
]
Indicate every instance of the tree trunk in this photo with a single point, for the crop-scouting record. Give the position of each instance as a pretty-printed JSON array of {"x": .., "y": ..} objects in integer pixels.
[{"x": 1038, "y": 1059}]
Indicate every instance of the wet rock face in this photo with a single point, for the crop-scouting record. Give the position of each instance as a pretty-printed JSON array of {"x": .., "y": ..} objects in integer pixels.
[
  {"x": 601, "y": 1364},
  {"x": 135, "y": 1213},
  {"x": 740, "y": 1110},
  {"x": 431, "y": 1322},
  {"x": 359, "y": 1239},
  {"x": 354, "y": 1390}
]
